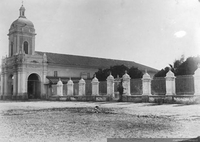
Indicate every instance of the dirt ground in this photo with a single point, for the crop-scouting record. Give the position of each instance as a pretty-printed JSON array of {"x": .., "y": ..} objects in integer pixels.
[{"x": 46, "y": 121}]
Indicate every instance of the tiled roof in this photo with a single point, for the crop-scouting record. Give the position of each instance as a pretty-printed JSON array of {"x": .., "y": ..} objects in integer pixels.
[{"x": 93, "y": 62}]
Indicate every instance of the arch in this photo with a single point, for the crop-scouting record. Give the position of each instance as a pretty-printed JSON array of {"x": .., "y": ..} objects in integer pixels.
[
  {"x": 34, "y": 86},
  {"x": 25, "y": 47},
  {"x": 10, "y": 84}
]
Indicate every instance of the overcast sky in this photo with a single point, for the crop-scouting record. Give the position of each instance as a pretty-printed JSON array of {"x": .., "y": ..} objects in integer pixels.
[{"x": 150, "y": 32}]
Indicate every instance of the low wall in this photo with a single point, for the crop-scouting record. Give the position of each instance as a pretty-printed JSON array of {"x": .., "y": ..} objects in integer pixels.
[
  {"x": 102, "y": 98},
  {"x": 187, "y": 99},
  {"x": 160, "y": 99}
]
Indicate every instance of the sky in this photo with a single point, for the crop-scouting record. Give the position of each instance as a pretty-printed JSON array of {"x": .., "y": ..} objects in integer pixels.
[{"x": 149, "y": 32}]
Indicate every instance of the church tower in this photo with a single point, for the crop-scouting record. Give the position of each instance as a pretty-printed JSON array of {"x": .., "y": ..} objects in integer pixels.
[
  {"x": 21, "y": 35},
  {"x": 23, "y": 71}
]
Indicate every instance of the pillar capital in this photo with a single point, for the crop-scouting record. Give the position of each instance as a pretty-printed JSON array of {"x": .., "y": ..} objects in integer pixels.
[{"x": 146, "y": 76}]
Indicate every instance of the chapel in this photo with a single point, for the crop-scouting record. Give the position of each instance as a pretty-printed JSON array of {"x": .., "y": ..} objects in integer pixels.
[{"x": 27, "y": 73}]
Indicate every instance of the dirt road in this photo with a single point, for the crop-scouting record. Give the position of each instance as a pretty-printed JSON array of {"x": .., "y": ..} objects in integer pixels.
[{"x": 77, "y": 121}]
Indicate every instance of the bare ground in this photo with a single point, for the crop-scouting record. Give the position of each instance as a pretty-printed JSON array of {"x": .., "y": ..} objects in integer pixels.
[{"x": 77, "y": 121}]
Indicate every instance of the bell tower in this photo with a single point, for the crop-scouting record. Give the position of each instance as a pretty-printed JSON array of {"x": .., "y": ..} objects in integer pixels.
[
  {"x": 23, "y": 72},
  {"x": 21, "y": 35}
]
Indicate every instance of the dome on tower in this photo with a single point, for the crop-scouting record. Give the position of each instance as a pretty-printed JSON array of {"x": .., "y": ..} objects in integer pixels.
[{"x": 22, "y": 21}]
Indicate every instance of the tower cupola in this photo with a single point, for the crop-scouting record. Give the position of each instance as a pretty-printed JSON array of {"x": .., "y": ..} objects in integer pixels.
[
  {"x": 21, "y": 35},
  {"x": 22, "y": 11}
]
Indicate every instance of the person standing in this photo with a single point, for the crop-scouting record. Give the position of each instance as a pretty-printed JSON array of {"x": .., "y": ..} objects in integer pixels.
[{"x": 120, "y": 89}]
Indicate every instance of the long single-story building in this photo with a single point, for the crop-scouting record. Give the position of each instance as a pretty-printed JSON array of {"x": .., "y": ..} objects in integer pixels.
[{"x": 25, "y": 71}]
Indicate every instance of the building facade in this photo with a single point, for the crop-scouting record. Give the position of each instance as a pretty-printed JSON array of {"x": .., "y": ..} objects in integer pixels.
[{"x": 26, "y": 73}]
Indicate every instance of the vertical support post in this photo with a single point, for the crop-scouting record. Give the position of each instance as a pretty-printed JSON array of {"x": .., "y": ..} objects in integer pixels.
[
  {"x": 81, "y": 87},
  {"x": 2, "y": 78},
  {"x": 110, "y": 85},
  {"x": 95, "y": 86},
  {"x": 2, "y": 85},
  {"x": 170, "y": 83},
  {"x": 60, "y": 88},
  {"x": 197, "y": 81},
  {"x": 19, "y": 85},
  {"x": 126, "y": 84},
  {"x": 70, "y": 88},
  {"x": 14, "y": 85},
  {"x": 146, "y": 84},
  {"x": 5, "y": 95},
  {"x": 22, "y": 85},
  {"x": 44, "y": 92}
]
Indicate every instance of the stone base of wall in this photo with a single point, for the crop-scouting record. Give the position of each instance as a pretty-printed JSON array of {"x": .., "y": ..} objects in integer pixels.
[
  {"x": 6, "y": 97},
  {"x": 22, "y": 96},
  {"x": 136, "y": 98},
  {"x": 81, "y": 98},
  {"x": 43, "y": 97},
  {"x": 1, "y": 97}
]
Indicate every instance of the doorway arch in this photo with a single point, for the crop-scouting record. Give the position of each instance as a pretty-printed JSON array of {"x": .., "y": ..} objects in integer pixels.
[
  {"x": 34, "y": 86},
  {"x": 10, "y": 85}
]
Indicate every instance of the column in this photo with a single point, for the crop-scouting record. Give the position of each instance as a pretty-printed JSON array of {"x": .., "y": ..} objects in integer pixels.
[
  {"x": 126, "y": 84},
  {"x": 197, "y": 81},
  {"x": 70, "y": 88},
  {"x": 60, "y": 88},
  {"x": 81, "y": 87},
  {"x": 19, "y": 84},
  {"x": 146, "y": 84},
  {"x": 170, "y": 83},
  {"x": 110, "y": 86},
  {"x": 5, "y": 94},
  {"x": 14, "y": 84},
  {"x": 95, "y": 86},
  {"x": 24, "y": 84},
  {"x": 2, "y": 85}
]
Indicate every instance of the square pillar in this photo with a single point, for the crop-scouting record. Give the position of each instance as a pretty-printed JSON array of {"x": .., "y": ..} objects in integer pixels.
[
  {"x": 70, "y": 88},
  {"x": 14, "y": 85},
  {"x": 5, "y": 86},
  {"x": 170, "y": 83},
  {"x": 22, "y": 85},
  {"x": 197, "y": 81},
  {"x": 81, "y": 87},
  {"x": 126, "y": 84},
  {"x": 2, "y": 85},
  {"x": 95, "y": 86},
  {"x": 110, "y": 86},
  {"x": 146, "y": 84},
  {"x": 60, "y": 88}
]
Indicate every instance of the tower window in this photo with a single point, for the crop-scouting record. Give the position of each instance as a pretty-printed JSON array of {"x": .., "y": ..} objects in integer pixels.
[
  {"x": 11, "y": 49},
  {"x": 26, "y": 47}
]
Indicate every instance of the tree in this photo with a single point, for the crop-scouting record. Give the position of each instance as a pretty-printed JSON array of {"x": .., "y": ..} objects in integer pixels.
[
  {"x": 188, "y": 67},
  {"x": 181, "y": 67},
  {"x": 118, "y": 70},
  {"x": 135, "y": 73},
  {"x": 102, "y": 74},
  {"x": 176, "y": 64},
  {"x": 162, "y": 72}
]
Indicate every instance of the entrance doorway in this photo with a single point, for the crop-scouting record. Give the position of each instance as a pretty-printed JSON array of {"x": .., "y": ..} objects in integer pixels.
[
  {"x": 34, "y": 86},
  {"x": 10, "y": 85}
]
